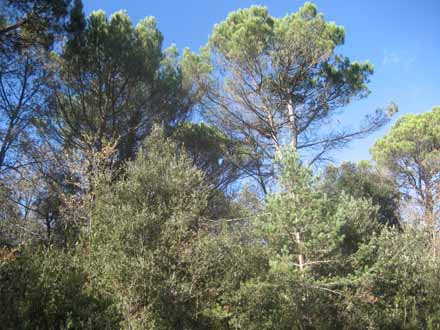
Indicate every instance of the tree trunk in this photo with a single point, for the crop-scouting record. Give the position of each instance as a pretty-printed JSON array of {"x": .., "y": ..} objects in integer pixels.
[
  {"x": 294, "y": 146},
  {"x": 300, "y": 255},
  {"x": 273, "y": 131},
  {"x": 293, "y": 125},
  {"x": 428, "y": 216}
]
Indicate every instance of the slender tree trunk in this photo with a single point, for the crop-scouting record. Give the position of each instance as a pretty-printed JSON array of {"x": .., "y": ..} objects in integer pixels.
[
  {"x": 273, "y": 131},
  {"x": 294, "y": 147},
  {"x": 48, "y": 229},
  {"x": 293, "y": 125},
  {"x": 428, "y": 201},
  {"x": 429, "y": 216},
  {"x": 12, "y": 27},
  {"x": 300, "y": 255},
  {"x": 429, "y": 209},
  {"x": 6, "y": 143}
]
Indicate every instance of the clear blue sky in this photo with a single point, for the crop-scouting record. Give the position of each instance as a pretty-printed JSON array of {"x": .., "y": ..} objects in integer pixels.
[{"x": 400, "y": 37}]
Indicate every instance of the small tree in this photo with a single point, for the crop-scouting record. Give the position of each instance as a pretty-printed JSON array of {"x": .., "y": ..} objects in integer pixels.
[
  {"x": 147, "y": 239},
  {"x": 309, "y": 241}
]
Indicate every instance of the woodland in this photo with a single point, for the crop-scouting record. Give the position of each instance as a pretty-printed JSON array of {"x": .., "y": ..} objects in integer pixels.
[{"x": 145, "y": 187}]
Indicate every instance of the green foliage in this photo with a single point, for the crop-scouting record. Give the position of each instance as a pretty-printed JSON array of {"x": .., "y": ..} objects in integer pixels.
[
  {"x": 46, "y": 289},
  {"x": 362, "y": 180},
  {"x": 414, "y": 138},
  {"x": 26, "y": 23},
  {"x": 153, "y": 249},
  {"x": 279, "y": 80},
  {"x": 399, "y": 285},
  {"x": 309, "y": 242},
  {"x": 109, "y": 222},
  {"x": 355, "y": 273},
  {"x": 145, "y": 236},
  {"x": 411, "y": 152},
  {"x": 322, "y": 223},
  {"x": 113, "y": 82},
  {"x": 212, "y": 152},
  {"x": 9, "y": 216}
]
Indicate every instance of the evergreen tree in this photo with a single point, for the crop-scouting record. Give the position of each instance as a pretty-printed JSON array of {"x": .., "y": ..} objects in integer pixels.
[
  {"x": 411, "y": 152},
  {"x": 277, "y": 81}
]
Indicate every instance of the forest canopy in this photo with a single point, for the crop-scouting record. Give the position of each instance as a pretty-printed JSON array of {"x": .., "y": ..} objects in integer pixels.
[{"x": 147, "y": 187}]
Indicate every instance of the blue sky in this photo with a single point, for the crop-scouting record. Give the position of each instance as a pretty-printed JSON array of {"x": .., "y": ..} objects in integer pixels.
[{"x": 400, "y": 37}]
